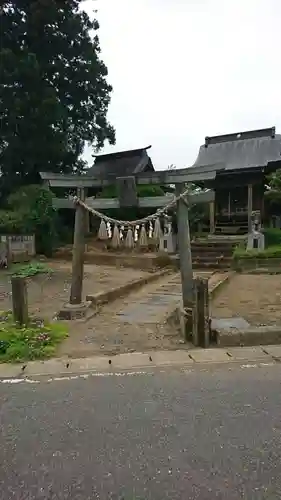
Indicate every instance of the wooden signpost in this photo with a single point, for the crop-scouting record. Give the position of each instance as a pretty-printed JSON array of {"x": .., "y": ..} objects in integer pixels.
[
  {"x": 201, "y": 326},
  {"x": 19, "y": 299}
]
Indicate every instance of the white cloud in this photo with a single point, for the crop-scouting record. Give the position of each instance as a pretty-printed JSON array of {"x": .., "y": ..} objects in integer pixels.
[{"x": 184, "y": 69}]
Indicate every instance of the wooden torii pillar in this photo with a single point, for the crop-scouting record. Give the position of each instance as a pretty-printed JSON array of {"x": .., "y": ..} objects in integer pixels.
[{"x": 78, "y": 253}]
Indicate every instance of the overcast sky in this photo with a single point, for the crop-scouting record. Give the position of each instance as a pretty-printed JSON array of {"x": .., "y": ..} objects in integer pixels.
[{"x": 184, "y": 69}]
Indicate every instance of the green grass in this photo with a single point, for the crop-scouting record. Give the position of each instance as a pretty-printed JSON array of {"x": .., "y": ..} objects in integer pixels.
[
  {"x": 273, "y": 251},
  {"x": 36, "y": 340},
  {"x": 30, "y": 269}
]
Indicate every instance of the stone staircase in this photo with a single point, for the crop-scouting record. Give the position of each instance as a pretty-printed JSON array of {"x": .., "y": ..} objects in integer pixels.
[{"x": 213, "y": 253}]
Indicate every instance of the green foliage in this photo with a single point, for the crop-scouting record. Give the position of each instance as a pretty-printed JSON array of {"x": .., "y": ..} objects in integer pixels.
[
  {"x": 37, "y": 340},
  {"x": 272, "y": 247},
  {"x": 273, "y": 197},
  {"x": 149, "y": 191},
  {"x": 30, "y": 269},
  {"x": 54, "y": 93},
  {"x": 35, "y": 204},
  {"x": 275, "y": 180},
  {"x": 270, "y": 252},
  {"x": 272, "y": 237},
  {"x": 142, "y": 191},
  {"x": 11, "y": 222},
  {"x": 31, "y": 212}
]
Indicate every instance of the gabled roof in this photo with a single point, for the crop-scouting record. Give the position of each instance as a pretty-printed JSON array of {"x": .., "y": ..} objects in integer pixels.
[
  {"x": 250, "y": 149},
  {"x": 122, "y": 163}
]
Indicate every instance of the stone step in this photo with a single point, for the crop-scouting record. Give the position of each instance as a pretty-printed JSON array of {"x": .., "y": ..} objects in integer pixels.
[
  {"x": 208, "y": 251},
  {"x": 213, "y": 254},
  {"x": 214, "y": 245},
  {"x": 211, "y": 265},
  {"x": 211, "y": 251},
  {"x": 212, "y": 258}
]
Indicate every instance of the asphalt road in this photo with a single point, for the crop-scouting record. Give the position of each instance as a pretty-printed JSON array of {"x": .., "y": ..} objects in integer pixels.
[{"x": 196, "y": 435}]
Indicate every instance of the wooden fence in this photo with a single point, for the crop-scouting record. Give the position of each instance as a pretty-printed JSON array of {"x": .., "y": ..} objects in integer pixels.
[{"x": 16, "y": 248}]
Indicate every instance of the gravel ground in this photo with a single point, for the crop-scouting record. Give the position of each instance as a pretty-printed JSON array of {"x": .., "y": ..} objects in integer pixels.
[
  {"x": 257, "y": 298},
  {"x": 48, "y": 293}
]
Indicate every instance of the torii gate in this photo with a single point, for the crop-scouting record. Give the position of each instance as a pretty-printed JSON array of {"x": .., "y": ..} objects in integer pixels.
[{"x": 128, "y": 198}]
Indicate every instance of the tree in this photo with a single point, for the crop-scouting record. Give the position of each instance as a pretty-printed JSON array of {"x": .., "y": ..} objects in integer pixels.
[
  {"x": 274, "y": 181},
  {"x": 54, "y": 94},
  {"x": 31, "y": 212}
]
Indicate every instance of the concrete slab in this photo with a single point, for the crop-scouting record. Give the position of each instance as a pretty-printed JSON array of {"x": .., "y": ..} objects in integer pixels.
[
  {"x": 251, "y": 336},
  {"x": 132, "y": 360},
  {"x": 209, "y": 355},
  {"x": 273, "y": 350},
  {"x": 95, "y": 363},
  {"x": 169, "y": 358},
  {"x": 248, "y": 353},
  {"x": 228, "y": 324},
  {"x": 152, "y": 359},
  {"x": 10, "y": 371},
  {"x": 49, "y": 367},
  {"x": 66, "y": 365}
]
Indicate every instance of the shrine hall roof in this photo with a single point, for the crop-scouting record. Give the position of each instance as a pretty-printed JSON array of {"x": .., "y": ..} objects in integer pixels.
[
  {"x": 241, "y": 150},
  {"x": 122, "y": 163}
]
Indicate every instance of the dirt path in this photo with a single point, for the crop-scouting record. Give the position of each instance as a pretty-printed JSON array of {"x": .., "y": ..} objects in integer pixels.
[
  {"x": 256, "y": 298},
  {"x": 134, "y": 323}
]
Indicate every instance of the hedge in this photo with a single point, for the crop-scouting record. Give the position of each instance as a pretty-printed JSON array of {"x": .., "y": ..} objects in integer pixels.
[
  {"x": 272, "y": 237},
  {"x": 271, "y": 252}
]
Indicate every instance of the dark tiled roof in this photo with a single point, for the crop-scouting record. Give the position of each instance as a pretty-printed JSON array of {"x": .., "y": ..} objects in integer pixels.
[
  {"x": 121, "y": 164},
  {"x": 254, "y": 148}
]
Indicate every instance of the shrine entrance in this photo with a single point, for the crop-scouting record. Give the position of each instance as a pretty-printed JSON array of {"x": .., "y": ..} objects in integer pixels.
[{"x": 231, "y": 210}]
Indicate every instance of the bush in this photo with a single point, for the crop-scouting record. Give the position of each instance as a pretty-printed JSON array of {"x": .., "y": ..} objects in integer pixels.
[
  {"x": 272, "y": 237},
  {"x": 30, "y": 269},
  {"x": 37, "y": 340},
  {"x": 31, "y": 212},
  {"x": 11, "y": 222},
  {"x": 35, "y": 204},
  {"x": 272, "y": 249},
  {"x": 271, "y": 252}
]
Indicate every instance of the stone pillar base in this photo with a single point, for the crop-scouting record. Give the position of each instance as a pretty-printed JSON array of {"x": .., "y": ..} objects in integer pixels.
[{"x": 74, "y": 311}]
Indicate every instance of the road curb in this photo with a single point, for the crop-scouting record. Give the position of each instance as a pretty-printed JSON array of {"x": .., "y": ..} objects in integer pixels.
[
  {"x": 252, "y": 336},
  {"x": 218, "y": 287},
  {"x": 132, "y": 361}
]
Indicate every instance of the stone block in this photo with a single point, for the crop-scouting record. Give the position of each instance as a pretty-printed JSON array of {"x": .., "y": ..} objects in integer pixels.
[
  {"x": 255, "y": 241},
  {"x": 71, "y": 312},
  {"x": 247, "y": 353},
  {"x": 274, "y": 351},
  {"x": 253, "y": 336},
  {"x": 94, "y": 364},
  {"x": 130, "y": 361},
  {"x": 209, "y": 355},
  {"x": 48, "y": 367},
  {"x": 169, "y": 358}
]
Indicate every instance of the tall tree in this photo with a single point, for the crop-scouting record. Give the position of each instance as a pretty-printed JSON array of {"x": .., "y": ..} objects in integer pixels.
[{"x": 54, "y": 94}]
